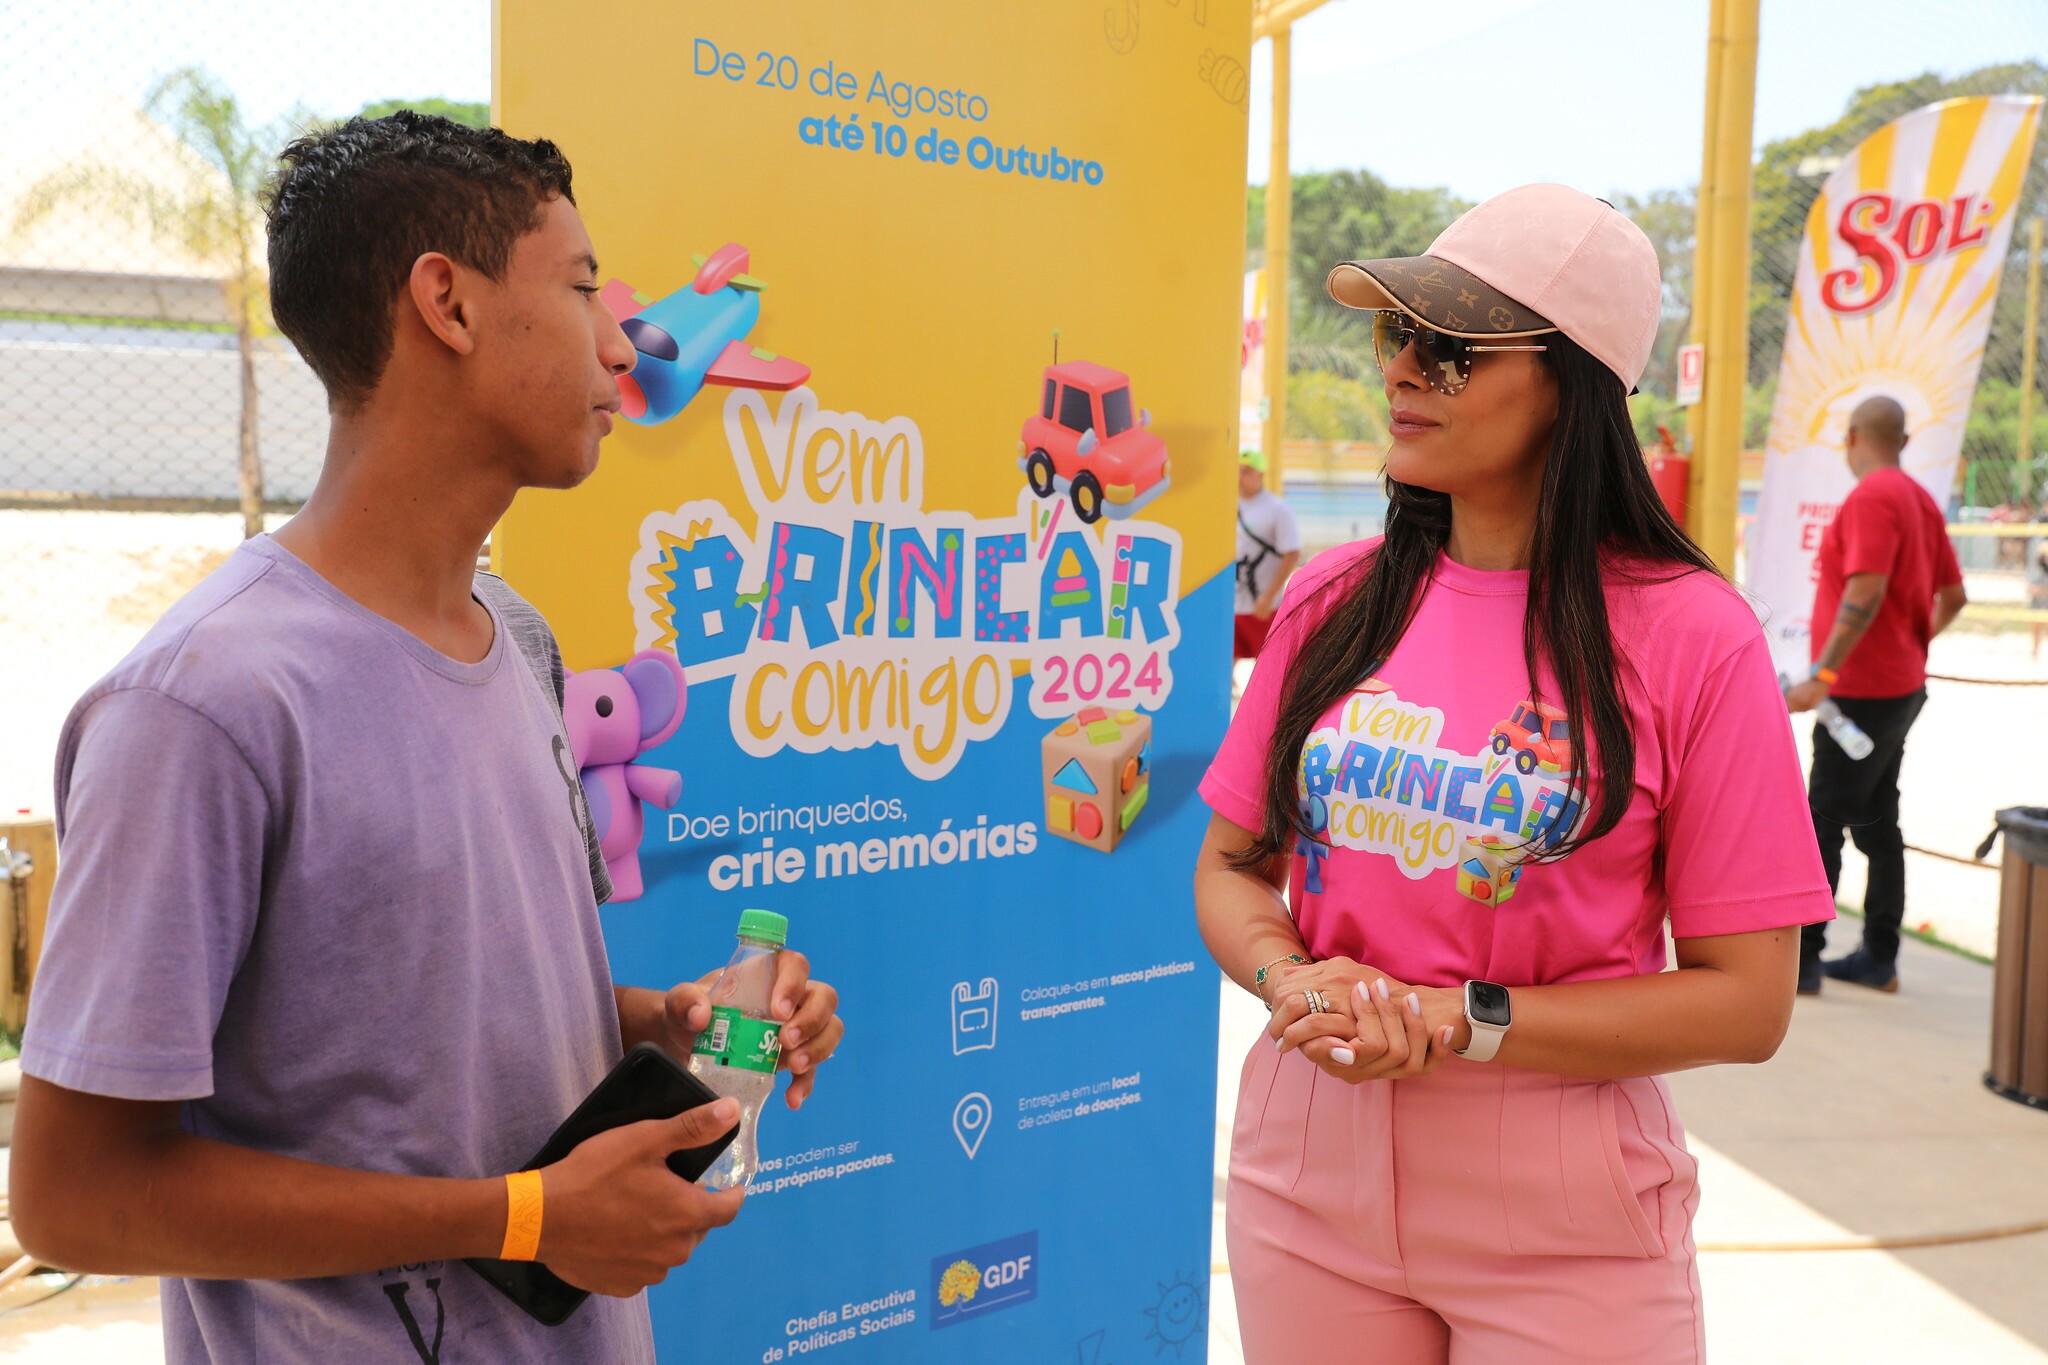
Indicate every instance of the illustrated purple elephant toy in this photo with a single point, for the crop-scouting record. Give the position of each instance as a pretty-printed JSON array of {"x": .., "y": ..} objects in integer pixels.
[{"x": 614, "y": 715}]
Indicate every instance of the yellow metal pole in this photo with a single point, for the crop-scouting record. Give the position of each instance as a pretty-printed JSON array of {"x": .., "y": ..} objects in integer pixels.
[
  {"x": 1703, "y": 260},
  {"x": 2023, "y": 471},
  {"x": 1279, "y": 221},
  {"x": 1281, "y": 15},
  {"x": 1720, "y": 484}
]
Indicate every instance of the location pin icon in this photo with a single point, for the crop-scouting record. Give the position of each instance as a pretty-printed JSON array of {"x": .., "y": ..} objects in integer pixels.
[{"x": 970, "y": 1122}]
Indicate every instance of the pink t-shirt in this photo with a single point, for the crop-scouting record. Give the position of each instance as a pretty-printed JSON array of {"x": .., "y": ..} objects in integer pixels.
[{"x": 1431, "y": 777}]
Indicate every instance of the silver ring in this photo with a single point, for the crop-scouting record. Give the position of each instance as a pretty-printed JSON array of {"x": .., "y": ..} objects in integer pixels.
[{"x": 1318, "y": 1003}]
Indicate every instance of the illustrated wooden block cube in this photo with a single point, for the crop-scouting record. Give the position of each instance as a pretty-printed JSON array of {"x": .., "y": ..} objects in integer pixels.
[{"x": 1098, "y": 776}]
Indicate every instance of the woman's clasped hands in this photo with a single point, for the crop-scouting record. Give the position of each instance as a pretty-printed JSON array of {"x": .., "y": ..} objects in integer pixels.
[{"x": 1359, "y": 1024}]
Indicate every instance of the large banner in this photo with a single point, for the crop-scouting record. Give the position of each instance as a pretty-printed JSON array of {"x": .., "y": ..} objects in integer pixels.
[
  {"x": 923, "y": 496},
  {"x": 1898, "y": 272}
]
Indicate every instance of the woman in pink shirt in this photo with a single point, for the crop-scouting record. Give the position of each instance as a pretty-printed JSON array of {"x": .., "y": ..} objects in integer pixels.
[{"x": 1484, "y": 761}]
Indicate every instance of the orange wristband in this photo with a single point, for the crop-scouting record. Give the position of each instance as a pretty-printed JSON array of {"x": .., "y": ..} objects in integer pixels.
[
  {"x": 522, "y": 1216},
  {"x": 1825, "y": 676}
]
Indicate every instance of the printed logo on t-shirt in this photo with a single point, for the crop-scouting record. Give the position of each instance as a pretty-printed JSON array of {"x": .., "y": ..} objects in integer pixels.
[{"x": 1378, "y": 782}]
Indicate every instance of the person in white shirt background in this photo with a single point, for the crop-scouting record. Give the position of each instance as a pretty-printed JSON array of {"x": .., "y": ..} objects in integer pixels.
[{"x": 1268, "y": 552}]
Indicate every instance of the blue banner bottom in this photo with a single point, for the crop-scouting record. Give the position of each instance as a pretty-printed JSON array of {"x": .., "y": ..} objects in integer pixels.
[{"x": 1010, "y": 1158}]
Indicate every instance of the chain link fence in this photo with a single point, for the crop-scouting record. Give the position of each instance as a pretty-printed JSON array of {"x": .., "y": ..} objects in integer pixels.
[{"x": 150, "y": 415}]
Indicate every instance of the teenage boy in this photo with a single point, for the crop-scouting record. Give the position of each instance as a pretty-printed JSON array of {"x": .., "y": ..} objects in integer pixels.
[{"x": 324, "y": 964}]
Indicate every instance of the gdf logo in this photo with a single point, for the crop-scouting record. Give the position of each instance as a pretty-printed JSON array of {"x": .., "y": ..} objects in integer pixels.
[
  {"x": 976, "y": 1281},
  {"x": 1006, "y": 1272}
]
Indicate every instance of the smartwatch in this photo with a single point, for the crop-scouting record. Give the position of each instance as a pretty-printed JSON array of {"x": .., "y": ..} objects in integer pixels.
[{"x": 1486, "y": 1009}]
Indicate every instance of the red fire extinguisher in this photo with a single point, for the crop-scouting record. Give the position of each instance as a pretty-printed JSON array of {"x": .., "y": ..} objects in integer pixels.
[{"x": 1671, "y": 472}]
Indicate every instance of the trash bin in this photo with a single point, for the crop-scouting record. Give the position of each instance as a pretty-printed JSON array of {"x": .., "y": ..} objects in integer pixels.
[{"x": 2019, "y": 989}]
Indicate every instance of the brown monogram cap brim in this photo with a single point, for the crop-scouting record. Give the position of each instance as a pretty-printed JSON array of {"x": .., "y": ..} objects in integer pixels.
[{"x": 1451, "y": 299}]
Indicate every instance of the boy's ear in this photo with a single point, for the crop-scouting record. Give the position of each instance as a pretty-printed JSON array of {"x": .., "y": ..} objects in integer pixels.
[{"x": 437, "y": 291}]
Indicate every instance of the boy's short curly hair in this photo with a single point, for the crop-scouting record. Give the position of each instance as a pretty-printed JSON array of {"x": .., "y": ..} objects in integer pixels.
[{"x": 351, "y": 208}]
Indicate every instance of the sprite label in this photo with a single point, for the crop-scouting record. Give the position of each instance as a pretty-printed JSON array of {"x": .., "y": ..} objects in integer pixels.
[{"x": 735, "y": 1040}]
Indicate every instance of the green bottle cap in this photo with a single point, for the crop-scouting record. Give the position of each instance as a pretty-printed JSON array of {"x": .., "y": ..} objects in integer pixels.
[{"x": 764, "y": 924}]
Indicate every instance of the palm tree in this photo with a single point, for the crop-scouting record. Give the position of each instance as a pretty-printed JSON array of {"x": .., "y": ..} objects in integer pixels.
[
  {"x": 210, "y": 212},
  {"x": 1327, "y": 337}
]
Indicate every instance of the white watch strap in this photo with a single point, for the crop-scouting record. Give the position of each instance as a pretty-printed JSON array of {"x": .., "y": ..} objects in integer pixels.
[{"x": 1485, "y": 1042}]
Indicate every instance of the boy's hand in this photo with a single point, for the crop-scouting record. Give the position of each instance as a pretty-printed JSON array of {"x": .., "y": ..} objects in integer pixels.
[{"x": 615, "y": 1219}]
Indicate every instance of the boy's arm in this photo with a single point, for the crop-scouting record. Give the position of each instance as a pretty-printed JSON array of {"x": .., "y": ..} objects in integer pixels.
[
  {"x": 116, "y": 1187},
  {"x": 166, "y": 825}
]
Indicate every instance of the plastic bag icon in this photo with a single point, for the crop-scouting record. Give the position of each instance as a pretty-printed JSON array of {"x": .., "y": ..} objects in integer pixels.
[{"x": 974, "y": 1016}]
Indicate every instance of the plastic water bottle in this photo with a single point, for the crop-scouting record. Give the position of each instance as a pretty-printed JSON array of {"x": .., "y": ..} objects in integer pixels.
[
  {"x": 738, "y": 1051},
  {"x": 1847, "y": 733},
  {"x": 1849, "y": 736}
]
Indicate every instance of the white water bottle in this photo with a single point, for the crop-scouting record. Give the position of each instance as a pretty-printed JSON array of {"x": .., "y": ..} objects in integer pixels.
[
  {"x": 1847, "y": 733},
  {"x": 1849, "y": 736},
  {"x": 737, "y": 1052}
]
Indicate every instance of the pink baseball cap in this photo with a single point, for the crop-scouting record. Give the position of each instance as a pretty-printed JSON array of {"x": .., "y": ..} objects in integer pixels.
[{"x": 1540, "y": 258}]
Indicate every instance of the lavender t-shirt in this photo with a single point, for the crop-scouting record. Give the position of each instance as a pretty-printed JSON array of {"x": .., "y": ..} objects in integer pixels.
[{"x": 328, "y": 886}]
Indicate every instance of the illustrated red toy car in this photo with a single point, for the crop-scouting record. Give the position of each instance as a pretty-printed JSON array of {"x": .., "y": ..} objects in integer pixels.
[
  {"x": 1539, "y": 737},
  {"x": 1086, "y": 442}
]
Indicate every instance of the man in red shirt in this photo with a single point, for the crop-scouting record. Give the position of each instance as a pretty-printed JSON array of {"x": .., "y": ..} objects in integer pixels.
[{"x": 1889, "y": 583}]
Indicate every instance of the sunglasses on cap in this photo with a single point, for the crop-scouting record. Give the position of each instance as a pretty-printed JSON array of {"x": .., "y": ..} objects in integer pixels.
[{"x": 1446, "y": 360}]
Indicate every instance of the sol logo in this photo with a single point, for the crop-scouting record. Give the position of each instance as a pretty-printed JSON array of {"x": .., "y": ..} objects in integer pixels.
[{"x": 1887, "y": 235}]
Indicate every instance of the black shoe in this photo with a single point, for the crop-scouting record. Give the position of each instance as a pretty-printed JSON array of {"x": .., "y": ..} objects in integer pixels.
[
  {"x": 1809, "y": 974},
  {"x": 1860, "y": 969}
]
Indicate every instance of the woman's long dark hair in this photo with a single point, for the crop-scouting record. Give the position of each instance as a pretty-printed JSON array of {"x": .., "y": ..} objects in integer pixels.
[{"x": 1597, "y": 500}]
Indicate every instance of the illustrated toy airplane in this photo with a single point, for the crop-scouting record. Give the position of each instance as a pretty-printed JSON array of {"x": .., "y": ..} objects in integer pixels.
[{"x": 696, "y": 336}]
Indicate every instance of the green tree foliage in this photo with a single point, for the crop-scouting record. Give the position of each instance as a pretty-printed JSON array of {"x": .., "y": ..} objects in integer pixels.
[
  {"x": 1342, "y": 216},
  {"x": 1651, "y": 410},
  {"x": 1992, "y": 437},
  {"x": 1322, "y": 406},
  {"x": 474, "y": 113},
  {"x": 1667, "y": 218},
  {"x": 1351, "y": 215}
]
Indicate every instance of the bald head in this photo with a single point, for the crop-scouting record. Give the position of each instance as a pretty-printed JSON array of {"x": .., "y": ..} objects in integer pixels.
[{"x": 1877, "y": 433}]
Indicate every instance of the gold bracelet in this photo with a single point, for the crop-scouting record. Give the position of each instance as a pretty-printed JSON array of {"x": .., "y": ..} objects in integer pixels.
[
  {"x": 1259, "y": 978},
  {"x": 522, "y": 1217}
]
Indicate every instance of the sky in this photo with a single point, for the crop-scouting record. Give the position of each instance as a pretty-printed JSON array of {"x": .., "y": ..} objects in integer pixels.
[
  {"x": 330, "y": 57},
  {"x": 1474, "y": 95},
  {"x": 1606, "y": 95}
]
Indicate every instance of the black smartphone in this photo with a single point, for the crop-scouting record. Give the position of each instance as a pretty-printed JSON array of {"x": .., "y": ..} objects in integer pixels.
[{"x": 646, "y": 1084}]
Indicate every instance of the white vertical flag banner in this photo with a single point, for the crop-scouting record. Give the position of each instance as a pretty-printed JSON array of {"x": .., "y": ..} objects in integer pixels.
[{"x": 1898, "y": 272}]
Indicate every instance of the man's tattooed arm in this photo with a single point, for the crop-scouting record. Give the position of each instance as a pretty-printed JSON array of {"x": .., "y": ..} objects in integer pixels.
[{"x": 1862, "y": 599}]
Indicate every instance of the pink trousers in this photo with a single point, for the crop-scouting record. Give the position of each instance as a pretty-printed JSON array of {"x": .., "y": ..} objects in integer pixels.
[{"x": 1479, "y": 1213}]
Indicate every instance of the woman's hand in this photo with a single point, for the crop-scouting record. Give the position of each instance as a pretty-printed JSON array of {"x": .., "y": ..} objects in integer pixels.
[
  {"x": 1341, "y": 1036},
  {"x": 1375, "y": 1027}
]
